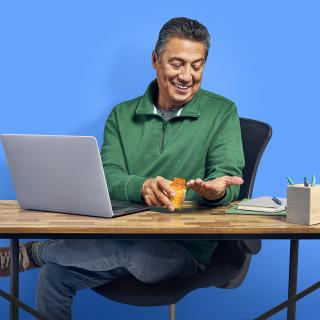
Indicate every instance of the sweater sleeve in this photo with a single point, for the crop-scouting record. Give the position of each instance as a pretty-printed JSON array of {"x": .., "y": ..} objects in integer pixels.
[
  {"x": 121, "y": 185},
  {"x": 225, "y": 155}
]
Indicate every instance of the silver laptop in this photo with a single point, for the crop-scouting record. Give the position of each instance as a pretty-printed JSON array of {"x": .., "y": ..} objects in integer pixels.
[{"x": 61, "y": 174}]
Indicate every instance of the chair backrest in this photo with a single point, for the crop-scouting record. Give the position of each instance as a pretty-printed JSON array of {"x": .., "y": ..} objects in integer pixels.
[{"x": 255, "y": 137}]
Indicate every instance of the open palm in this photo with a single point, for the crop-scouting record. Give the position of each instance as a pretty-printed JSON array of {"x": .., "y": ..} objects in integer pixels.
[{"x": 213, "y": 189}]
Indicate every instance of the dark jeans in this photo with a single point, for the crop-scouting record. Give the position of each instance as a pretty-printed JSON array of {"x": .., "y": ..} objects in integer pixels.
[{"x": 71, "y": 265}]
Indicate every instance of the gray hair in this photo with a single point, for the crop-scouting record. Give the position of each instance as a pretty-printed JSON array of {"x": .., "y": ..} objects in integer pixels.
[{"x": 183, "y": 28}]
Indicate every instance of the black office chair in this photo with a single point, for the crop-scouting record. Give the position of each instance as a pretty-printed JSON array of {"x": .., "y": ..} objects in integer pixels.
[{"x": 230, "y": 262}]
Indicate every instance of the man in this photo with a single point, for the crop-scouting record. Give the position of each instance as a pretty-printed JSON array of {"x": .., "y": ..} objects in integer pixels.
[{"x": 175, "y": 129}]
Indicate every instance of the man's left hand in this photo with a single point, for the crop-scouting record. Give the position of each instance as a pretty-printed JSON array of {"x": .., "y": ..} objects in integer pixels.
[{"x": 213, "y": 189}]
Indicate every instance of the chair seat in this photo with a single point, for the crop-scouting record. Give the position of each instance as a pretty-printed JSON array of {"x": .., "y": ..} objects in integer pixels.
[{"x": 221, "y": 269}]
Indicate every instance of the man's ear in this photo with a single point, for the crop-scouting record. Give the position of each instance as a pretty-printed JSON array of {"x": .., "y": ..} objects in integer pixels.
[{"x": 154, "y": 59}]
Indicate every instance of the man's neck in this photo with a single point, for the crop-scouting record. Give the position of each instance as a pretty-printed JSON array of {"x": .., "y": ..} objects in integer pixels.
[{"x": 166, "y": 105}]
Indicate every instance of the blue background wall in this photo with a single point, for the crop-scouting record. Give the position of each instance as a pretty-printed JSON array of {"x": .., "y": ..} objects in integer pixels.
[{"x": 65, "y": 64}]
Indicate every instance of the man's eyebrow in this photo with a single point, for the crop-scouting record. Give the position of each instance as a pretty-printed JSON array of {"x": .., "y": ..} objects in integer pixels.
[{"x": 182, "y": 60}]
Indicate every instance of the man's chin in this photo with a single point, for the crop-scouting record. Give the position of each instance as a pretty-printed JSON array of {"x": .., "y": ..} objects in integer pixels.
[{"x": 181, "y": 100}]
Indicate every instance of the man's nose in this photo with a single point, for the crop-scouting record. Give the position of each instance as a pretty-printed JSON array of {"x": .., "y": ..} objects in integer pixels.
[{"x": 185, "y": 74}]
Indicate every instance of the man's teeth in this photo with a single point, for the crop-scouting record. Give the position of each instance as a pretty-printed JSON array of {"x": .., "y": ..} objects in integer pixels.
[{"x": 179, "y": 86}]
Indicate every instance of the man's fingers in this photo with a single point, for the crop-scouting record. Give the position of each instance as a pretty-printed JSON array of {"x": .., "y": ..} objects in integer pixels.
[
  {"x": 211, "y": 187},
  {"x": 148, "y": 200},
  {"x": 199, "y": 182},
  {"x": 153, "y": 199},
  {"x": 149, "y": 193},
  {"x": 233, "y": 181},
  {"x": 164, "y": 185},
  {"x": 222, "y": 183},
  {"x": 195, "y": 187},
  {"x": 157, "y": 192},
  {"x": 190, "y": 183},
  {"x": 161, "y": 197},
  {"x": 215, "y": 188},
  {"x": 193, "y": 182}
]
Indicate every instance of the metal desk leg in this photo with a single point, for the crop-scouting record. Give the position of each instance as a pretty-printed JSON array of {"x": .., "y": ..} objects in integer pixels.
[
  {"x": 293, "y": 297},
  {"x": 14, "y": 278},
  {"x": 293, "y": 275}
]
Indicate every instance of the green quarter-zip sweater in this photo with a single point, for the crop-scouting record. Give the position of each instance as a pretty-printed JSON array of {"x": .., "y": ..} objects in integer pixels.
[{"x": 202, "y": 141}]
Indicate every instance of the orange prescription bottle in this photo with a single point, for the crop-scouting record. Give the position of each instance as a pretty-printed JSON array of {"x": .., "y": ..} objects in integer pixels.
[{"x": 179, "y": 186}]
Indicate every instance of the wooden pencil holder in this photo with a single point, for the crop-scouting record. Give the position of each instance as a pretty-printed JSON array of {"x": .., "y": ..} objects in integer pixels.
[{"x": 303, "y": 204}]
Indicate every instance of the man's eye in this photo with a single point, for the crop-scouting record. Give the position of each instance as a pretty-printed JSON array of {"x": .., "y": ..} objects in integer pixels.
[
  {"x": 176, "y": 66},
  {"x": 196, "y": 68}
]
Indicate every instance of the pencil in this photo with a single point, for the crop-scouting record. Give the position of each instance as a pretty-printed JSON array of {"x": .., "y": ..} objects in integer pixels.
[
  {"x": 313, "y": 182},
  {"x": 290, "y": 180}
]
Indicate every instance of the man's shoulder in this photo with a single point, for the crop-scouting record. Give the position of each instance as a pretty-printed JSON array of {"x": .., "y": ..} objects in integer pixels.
[
  {"x": 214, "y": 98},
  {"x": 128, "y": 104}
]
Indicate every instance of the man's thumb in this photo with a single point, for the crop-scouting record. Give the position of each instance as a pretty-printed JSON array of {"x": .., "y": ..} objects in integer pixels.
[{"x": 234, "y": 181}]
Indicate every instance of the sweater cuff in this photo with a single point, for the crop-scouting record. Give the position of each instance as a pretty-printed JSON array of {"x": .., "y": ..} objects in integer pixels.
[{"x": 134, "y": 188}]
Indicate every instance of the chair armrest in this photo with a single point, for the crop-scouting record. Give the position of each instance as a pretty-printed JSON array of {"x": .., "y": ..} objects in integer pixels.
[{"x": 250, "y": 246}]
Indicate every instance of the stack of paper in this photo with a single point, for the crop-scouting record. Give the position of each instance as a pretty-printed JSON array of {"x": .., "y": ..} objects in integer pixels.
[{"x": 263, "y": 204}]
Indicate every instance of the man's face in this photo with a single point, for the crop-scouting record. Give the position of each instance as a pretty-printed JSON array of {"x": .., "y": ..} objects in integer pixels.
[{"x": 179, "y": 71}]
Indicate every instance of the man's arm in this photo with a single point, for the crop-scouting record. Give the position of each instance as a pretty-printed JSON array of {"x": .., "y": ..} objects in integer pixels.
[
  {"x": 224, "y": 164},
  {"x": 121, "y": 185}
]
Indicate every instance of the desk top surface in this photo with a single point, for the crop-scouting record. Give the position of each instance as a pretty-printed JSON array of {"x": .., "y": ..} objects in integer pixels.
[{"x": 192, "y": 220}]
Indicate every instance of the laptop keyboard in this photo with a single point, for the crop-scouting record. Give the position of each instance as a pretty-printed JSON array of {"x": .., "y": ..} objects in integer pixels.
[
  {"x": 119, "y": 205},
  {"x": 116, "y": 208},
  {"x": 125, "y": 206}
]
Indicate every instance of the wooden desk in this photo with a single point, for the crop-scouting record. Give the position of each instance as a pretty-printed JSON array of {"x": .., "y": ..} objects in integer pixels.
[{"x": 192, "y": 222}]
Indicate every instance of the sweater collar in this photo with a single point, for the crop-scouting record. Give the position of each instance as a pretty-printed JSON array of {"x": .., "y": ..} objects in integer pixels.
[{"x": 146, "y": 106}]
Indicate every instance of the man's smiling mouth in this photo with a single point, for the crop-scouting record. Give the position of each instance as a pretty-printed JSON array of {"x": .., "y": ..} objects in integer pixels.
[{"x": 181, "y": 87}]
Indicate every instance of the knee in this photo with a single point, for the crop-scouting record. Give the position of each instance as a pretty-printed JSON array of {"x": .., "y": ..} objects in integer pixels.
[
  {"x": 52, "y": 269},
  {"x": 54, "y": 277},
  {"x": 50, "y": 275},
  {"x": 55, "y": 284}
]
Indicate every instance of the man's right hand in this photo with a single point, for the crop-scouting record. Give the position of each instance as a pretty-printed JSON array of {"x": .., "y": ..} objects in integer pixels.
[{"x": 157, "y": 191}]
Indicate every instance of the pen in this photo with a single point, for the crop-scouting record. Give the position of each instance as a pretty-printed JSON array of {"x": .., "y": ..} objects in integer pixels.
[
  {"x": 313, "y": 183},
  {"x": 277, "y": 201},
  {"x": 290, "y": 180},
  {"x": 305, "y": 182}
]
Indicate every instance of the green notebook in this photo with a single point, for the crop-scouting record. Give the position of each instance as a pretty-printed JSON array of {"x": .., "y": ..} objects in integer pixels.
[{"x": 234, "y": 210}]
